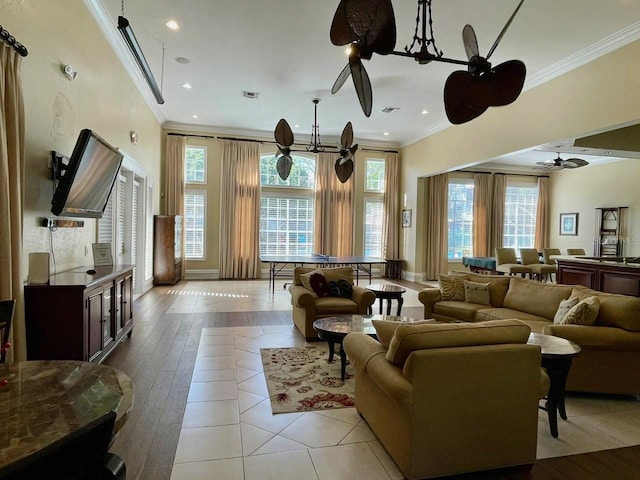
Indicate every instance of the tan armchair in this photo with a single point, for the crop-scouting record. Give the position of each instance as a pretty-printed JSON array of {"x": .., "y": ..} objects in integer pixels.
[
  {"x": 450, "y": 398},
  {"x": 307, "y": 307}
]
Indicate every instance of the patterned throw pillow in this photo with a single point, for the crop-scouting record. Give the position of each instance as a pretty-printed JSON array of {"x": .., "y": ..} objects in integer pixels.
[
  {"x": 475, "y": 292},
  {"x": 451, "y": 287},
  {"x": 319, "y": 284},
  {"x": 563, "y": 309},
  {"x": 584, "y": 313}
]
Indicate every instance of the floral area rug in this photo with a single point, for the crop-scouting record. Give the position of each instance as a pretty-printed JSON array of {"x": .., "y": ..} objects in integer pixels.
[{"x": 301, "y": 379}]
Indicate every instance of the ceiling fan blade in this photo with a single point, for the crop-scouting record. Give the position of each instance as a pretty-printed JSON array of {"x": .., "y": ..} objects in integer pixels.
[
  {"x": 363, "y": 85},
  {"x": 507, "y": 81},
  {"x": 464, "y": 97},
  {"x": 470, "y": 41},
  {"x": 283, "y": 133},
  {"x": 344, "y": 74},
  {"x": 577, "y": 162},
  {"x": 344, "y": 171},
  {"x": 504, "y": 30},
  {"x": 283, "y": 166},
  {"x": 347, "y": 136},
  {"x": 372, "y": 22},
  {"x": 341, "y": 31}
]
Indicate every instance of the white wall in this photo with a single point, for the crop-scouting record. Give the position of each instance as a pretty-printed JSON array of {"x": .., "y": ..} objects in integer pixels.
[{"x": 102, "y": 98}]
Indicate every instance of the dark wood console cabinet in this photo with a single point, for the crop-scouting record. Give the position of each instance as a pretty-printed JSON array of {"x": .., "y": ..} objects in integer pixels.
[
  {"x": 605, "y": 275},
  {"x": 78, "y": 316},
  {"x": 167, "y": 249}
]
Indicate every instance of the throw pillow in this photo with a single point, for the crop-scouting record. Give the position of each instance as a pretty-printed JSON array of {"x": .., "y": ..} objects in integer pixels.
[
  {"x": 340, "y": 288},
  {"x": 475, "y": 292},
  {"x": 563, "y": 309},
  {"x": 584, "y": 313},
  {"x": 451, "y": 287},
  {"x": 386, "y": 328},
  {"x": 318, "y": 283}
]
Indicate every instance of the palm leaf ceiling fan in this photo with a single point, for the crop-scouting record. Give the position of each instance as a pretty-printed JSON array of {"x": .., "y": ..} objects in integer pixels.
[
  {"x": 369, "y": 27},
  {"x": 285, "y": 140},
  {"x": 559, "y": 163}
]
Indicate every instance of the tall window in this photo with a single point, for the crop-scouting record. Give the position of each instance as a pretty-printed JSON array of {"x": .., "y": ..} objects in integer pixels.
[
  {"x": 520, "y": 215},
  {"x": 460, "y": 212},
  {"x": 195, "y": 164},
  {"x": 195, "y": 200},
  {"x": 194, "y": 222},
  {"x": 286, "y": 208},
  {"x": 373, "y": 206}
]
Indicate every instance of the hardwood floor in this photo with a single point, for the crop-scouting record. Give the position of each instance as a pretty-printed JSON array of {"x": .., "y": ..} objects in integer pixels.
[{"x": 160, "y": 358}]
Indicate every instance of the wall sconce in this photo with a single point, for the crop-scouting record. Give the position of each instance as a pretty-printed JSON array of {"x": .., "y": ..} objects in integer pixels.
[{"x": 69, "y": 72}]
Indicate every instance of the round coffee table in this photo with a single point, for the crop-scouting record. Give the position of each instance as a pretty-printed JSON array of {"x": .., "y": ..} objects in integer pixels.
[
  {"x": 557, "y": 354},
  {"x": 388, "y": 292},
  {"x": 334, "y": 329}
]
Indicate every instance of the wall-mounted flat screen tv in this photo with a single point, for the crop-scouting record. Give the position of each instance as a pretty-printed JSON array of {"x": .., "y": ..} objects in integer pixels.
[{"x": 88, "y": 178}]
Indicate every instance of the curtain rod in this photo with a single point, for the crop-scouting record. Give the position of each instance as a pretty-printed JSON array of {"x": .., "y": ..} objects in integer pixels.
[
  {"x": 11, "y": 40},
  {"x": 379, "y": 151},
  {"x": 502, "y": 173}
]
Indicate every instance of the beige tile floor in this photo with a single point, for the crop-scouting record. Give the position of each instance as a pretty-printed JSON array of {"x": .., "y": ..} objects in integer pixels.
[{"x": 229, "y": 432}]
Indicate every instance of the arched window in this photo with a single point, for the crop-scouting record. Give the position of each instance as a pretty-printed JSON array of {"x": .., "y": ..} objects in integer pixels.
[{"x": 286, "y": 207}]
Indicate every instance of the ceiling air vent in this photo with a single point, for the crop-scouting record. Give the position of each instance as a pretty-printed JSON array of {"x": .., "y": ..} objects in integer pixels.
[
  {"x": 389, "y": 109},
  {"x": 251, "y": 95}
]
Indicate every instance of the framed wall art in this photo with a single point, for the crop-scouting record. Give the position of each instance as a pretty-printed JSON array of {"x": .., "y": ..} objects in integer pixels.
[
  {"x": 406, "y": 218},
  {"x": 568, "y": 224}
]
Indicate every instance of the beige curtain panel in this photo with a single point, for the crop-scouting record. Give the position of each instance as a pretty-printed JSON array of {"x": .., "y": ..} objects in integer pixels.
[
  {"x": 240, "y": 210},
  {"x": 12, "y": 195},
  {"x": 391, "y": 221},
  {"x": 333, "y": 210},
  {"x": 482, "y": 195},
  {"x": 542, "y": 214},
  {"x": 174, "y": 175},
  {"x": 437, "y": 226},
  {"x": 497, "y": 224}
]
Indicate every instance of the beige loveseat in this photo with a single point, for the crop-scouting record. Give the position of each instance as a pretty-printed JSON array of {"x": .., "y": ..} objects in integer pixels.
[
  {"x": 307, "y": 307},
  {"x": 610, "y": 358},
  {"x": 446, "y": 399}
]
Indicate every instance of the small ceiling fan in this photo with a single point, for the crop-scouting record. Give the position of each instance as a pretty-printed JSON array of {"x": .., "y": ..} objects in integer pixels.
[{"x": 559, "y": 163}]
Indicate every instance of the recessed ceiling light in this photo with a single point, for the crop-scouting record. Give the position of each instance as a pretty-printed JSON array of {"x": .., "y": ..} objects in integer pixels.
[
  {"x": 186, "y": 85},
  {"x": 296, "y": 126},
  {"x": 182, "y": 60},
  {"x": 172, "y": 24},
  {"x": 195, "y": 115},
  {"x": 386, "y": 133},
  {"x": 425, "y": 111}
]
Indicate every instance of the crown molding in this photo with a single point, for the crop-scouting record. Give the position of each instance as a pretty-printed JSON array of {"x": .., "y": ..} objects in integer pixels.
[
  {"x": 110, "y": 30},
  {"x": 301, "y": 139}
]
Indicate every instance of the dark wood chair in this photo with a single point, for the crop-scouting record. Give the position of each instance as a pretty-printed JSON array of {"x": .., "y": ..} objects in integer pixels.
[
  {"x": 81, "y": 455},
  {"x": 6, "y": 316}
]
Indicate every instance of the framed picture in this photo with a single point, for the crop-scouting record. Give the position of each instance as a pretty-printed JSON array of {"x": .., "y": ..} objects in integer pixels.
[
  {"x": 406, "y": 218},
  {"x": 568, "y": 224}
]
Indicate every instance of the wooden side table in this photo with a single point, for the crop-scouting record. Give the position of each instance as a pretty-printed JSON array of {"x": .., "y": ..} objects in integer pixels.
[
  {"x": 387, "y": 292},
  {"x": 393, "y": 268}
]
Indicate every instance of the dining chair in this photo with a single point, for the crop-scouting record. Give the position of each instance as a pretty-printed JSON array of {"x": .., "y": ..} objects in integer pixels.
[
  {"x": 530, "y": 258},
  {"x": 6, "y": 316},
  {"x": 546, "y": 255},
  {"x": 81, "y": 455},
  {"x": 575, "y": 251},
  {"x": 507, "y": 262}
]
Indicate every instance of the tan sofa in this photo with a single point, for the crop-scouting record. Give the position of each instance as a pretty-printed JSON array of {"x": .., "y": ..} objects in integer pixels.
[
  {"x": 307, "y": 307},
  {"x": 610, "y": 358},
  {"x": 446, "y": 399}
]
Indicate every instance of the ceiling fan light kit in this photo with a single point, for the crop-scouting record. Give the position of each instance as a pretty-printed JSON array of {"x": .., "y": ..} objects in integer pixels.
[
  {"x": 285, "y": 140},
  {"x": 369, "y": 27}
]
